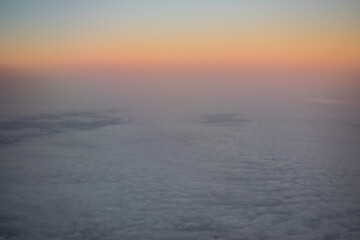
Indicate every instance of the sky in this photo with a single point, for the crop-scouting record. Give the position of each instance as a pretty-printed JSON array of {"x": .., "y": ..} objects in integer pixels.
[
  {"x": 179, "y": 119},
  {"x": 271, "y": 34}
]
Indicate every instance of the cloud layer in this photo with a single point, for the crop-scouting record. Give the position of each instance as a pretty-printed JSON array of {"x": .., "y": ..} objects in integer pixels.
[{"x": 178, "y": 179}]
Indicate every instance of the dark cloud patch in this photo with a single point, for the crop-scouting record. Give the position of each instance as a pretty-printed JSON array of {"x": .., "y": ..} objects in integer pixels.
[
  {"x": 18, "y": 129},
  {"x": 7, "y": 140},
  {"x": 225, "y": 119}
]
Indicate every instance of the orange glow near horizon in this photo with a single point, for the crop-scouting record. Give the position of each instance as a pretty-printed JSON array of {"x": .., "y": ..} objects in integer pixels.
[{"x": 232, "y": 44}]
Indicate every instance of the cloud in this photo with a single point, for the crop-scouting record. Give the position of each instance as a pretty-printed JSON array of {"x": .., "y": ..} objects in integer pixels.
[
  {"x": 19, "y": 129},
  {"x": 177, "y": 180},
  {"x": 331, "y": 101},
  {"x": 225, "y": 119}
]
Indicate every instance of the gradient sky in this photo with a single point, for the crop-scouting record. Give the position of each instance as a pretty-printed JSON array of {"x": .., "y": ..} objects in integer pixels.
[{"x": 41, "y": 34}]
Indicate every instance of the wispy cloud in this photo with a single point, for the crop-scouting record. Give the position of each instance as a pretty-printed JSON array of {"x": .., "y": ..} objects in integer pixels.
[{"x": 332, "y": 101}]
